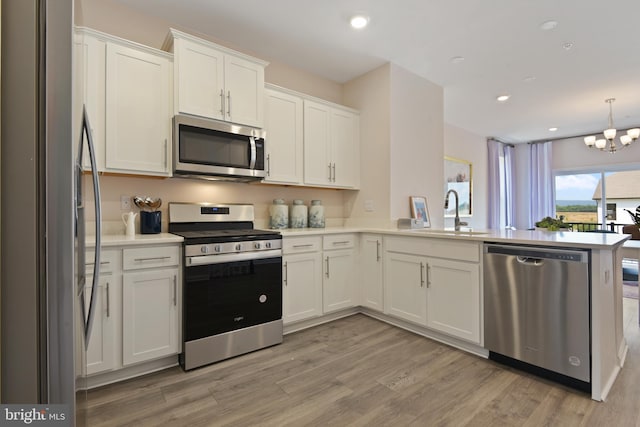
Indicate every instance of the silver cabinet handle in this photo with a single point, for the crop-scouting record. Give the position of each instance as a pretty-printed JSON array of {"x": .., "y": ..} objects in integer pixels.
[
  {"x": 302, "y": 246},
  {"x": 222, "y": 102},
  {"x": 108, "y": 309},
  {"x": 268, "y": 164},
  {"x": 377, "y": 250},
  {"x": 151, "y": 259},
  {"x": 343, "y": 242},
  {"x": 166, "y": 157},
  {"x": 327, "y": 272},
  {"x": 421, "y": 274},
  {"x": 101, "y": 263},
  {"x": 175, "y": 291},
  {"x": 334, "y": 172},
  {"x": 329, "y": 172},
  {"x": 286, "y": 273},
  {"x": 229, "y": 104},
  {"x": 428, "y": 275}
]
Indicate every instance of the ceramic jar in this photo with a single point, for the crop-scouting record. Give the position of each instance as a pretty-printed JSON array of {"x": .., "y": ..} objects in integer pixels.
[
  {"x": 278, "y": 214},
  {"x": 298, "y": 215},
  {"x": 316, "y": 214}
]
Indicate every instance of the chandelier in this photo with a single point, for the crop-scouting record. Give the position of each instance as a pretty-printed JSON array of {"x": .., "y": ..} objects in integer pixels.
[{"x": 609, "y": 143}]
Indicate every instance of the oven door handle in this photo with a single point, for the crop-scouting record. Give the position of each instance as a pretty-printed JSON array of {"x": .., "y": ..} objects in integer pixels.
[{"x": 191, "y": 261}]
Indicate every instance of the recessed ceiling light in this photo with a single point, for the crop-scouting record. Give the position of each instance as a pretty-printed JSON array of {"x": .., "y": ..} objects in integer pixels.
[
  {"x": 548, "y": 25},
  {"x": 503, "y": 98},
  {"x": 528, "y": 79},
  {"x": 359, "y": 21},
  {"x": 567, "y": 45},
  {"x": 553, "y": 129},
  {"x": 456, "y": 59}
]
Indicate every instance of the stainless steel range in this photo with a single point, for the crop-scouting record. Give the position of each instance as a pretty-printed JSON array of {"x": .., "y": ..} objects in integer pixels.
[{"x": 232, "y": 286}]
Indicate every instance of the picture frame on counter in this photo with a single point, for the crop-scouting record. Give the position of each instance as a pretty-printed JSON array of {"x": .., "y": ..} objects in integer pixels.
[
  {"x": 420, "y": 210},
  {"x": 458, "y": 177}
]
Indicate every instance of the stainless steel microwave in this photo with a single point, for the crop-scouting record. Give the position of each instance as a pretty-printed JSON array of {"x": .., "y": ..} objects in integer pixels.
[{"x": 212, "y": 149}]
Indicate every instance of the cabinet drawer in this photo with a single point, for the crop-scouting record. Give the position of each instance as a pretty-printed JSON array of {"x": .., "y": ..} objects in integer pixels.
[
  {"x": 294, "y": 245},
  {"x": 108, "y": 260},
  {"x": 338, "y": 241},
  {"x": 150, "y": 257},
  {"x": 434, "y": 247}
]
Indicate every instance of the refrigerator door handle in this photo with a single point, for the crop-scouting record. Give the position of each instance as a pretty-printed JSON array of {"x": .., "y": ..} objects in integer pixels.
[{"x": 98, "y": 223}]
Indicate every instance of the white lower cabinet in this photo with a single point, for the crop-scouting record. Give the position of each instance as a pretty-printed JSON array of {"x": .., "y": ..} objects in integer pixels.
[
  {"x": 339, "y": 275},
  {"x": 370, "y": 269},
  {"x": 302, "y": 286},
  {"x": 453, "y": 298},
  {"x": 405, "y": 290},
  {"x": 102, "y": 348},
  {"x": 150, "y": 315},
  {"x": 301, "y": 278}
]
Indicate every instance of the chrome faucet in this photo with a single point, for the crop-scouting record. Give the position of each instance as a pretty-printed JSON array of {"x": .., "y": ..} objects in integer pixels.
[{"x": 457, "y": 222}]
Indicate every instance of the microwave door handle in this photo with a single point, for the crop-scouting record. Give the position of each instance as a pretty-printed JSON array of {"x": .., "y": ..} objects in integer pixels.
[{"x": 252, "y": 144}]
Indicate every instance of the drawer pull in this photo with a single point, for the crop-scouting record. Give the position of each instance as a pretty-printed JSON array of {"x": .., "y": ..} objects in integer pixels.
[
  {"x": 108, "y": 310},
  {"x": 151, "y": 259},
  {"x": 343, "y": 242},
  {"x": 175, "y": 291},
  {"x": 101, "y": 263},
  {"x": 303, "y": 246}
]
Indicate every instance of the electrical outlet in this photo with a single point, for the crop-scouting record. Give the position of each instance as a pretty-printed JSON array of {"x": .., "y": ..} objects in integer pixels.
[
  {"x": 125, "y": 203},
  {"x": 368, "y": 206}
]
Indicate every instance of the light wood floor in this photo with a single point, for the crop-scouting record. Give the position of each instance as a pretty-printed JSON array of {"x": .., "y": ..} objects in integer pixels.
[{"x": 358, "y": 371}]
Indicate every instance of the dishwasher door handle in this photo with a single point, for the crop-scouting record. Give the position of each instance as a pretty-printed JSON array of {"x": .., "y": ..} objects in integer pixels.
[{"x": 529, "y": 260}]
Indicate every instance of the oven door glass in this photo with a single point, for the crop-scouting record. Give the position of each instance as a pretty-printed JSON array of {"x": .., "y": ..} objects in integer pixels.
[{"x": 224, "y": 297}]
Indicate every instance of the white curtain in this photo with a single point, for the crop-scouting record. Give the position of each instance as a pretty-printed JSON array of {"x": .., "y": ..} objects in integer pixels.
[
  {"x": 542, "y": 182},
  {"x": 509, "y": 185},
  {"x": 501, "y": 184},
  {"x": 494, "y": 149}
]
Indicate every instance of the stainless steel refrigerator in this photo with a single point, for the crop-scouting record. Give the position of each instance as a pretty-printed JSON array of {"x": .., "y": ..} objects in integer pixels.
[{"x": 41, "y": 354}]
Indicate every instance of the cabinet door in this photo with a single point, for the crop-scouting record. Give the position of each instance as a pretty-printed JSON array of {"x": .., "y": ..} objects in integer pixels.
[
  {"x": 138, "y": 120},
  {"x": 302, "y": 286},
  {"x": 150, "y": 302},
  {"x": 244, "y": 86},
  {"x": 453, "y": 298},
  {"x": 284, "y": 142},
  {"x": 345, "y": 148},
  {"x": 339, "y": 280},
  {"x": 317, "y": 163},
  {"x": 200, "y": 80},
  {"x": 89, "y": 81},
  {"x": 371, "y": 278},
  {"x": 404, "y": 287},
  {"x": 101, "y": 351}
]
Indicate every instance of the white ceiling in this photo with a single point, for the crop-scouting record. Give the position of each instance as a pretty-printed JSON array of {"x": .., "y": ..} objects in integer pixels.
[{"x": 501, "y": 41}]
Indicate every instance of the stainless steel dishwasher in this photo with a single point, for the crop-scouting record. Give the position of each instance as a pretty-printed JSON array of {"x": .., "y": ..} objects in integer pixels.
[{"x": 537, "y": 310}]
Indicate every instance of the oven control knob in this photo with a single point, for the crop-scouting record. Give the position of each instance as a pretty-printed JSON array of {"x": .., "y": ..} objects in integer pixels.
[
  {"x": 204, "y": 249},
  {"x": 216, "y": 248},
  {"x": 257, "y": 245},
  {"x": 238, "y": 247},
  {"x": 268, "y": 245}
]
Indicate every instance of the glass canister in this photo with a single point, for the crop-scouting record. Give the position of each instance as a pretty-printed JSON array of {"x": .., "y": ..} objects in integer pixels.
[
  {"x": 278, "y": 214},
  {"x": 298, "y": 215},
  {"x": 316, "y": 214}
]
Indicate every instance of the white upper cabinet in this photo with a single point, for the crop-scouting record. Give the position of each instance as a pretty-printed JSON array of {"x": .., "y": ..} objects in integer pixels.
[
  {"x": 331, "y": 146},
  {"x": 215, "y": 82},
  {"x": 138, "y": 114},
  {"x": 127, "y": 90},
  {"x": 284, "y": 142}
]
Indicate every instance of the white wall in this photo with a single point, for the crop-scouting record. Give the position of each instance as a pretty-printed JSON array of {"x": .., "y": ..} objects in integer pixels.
[
  {"x": 370, "y": 93},
  {"x": 462, "y": 144},
  {"x": 417, "y": 144}
]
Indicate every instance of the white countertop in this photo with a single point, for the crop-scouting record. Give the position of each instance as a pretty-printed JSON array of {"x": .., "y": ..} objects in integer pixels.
[
  {"x": 533, "y": 237},
  {"x": 138, "y": 239}
]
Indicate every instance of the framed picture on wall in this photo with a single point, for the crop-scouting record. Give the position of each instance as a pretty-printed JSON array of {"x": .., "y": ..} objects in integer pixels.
[
  {"x": 457, "y": 176},
  {"x": 419, "y": 209}
]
